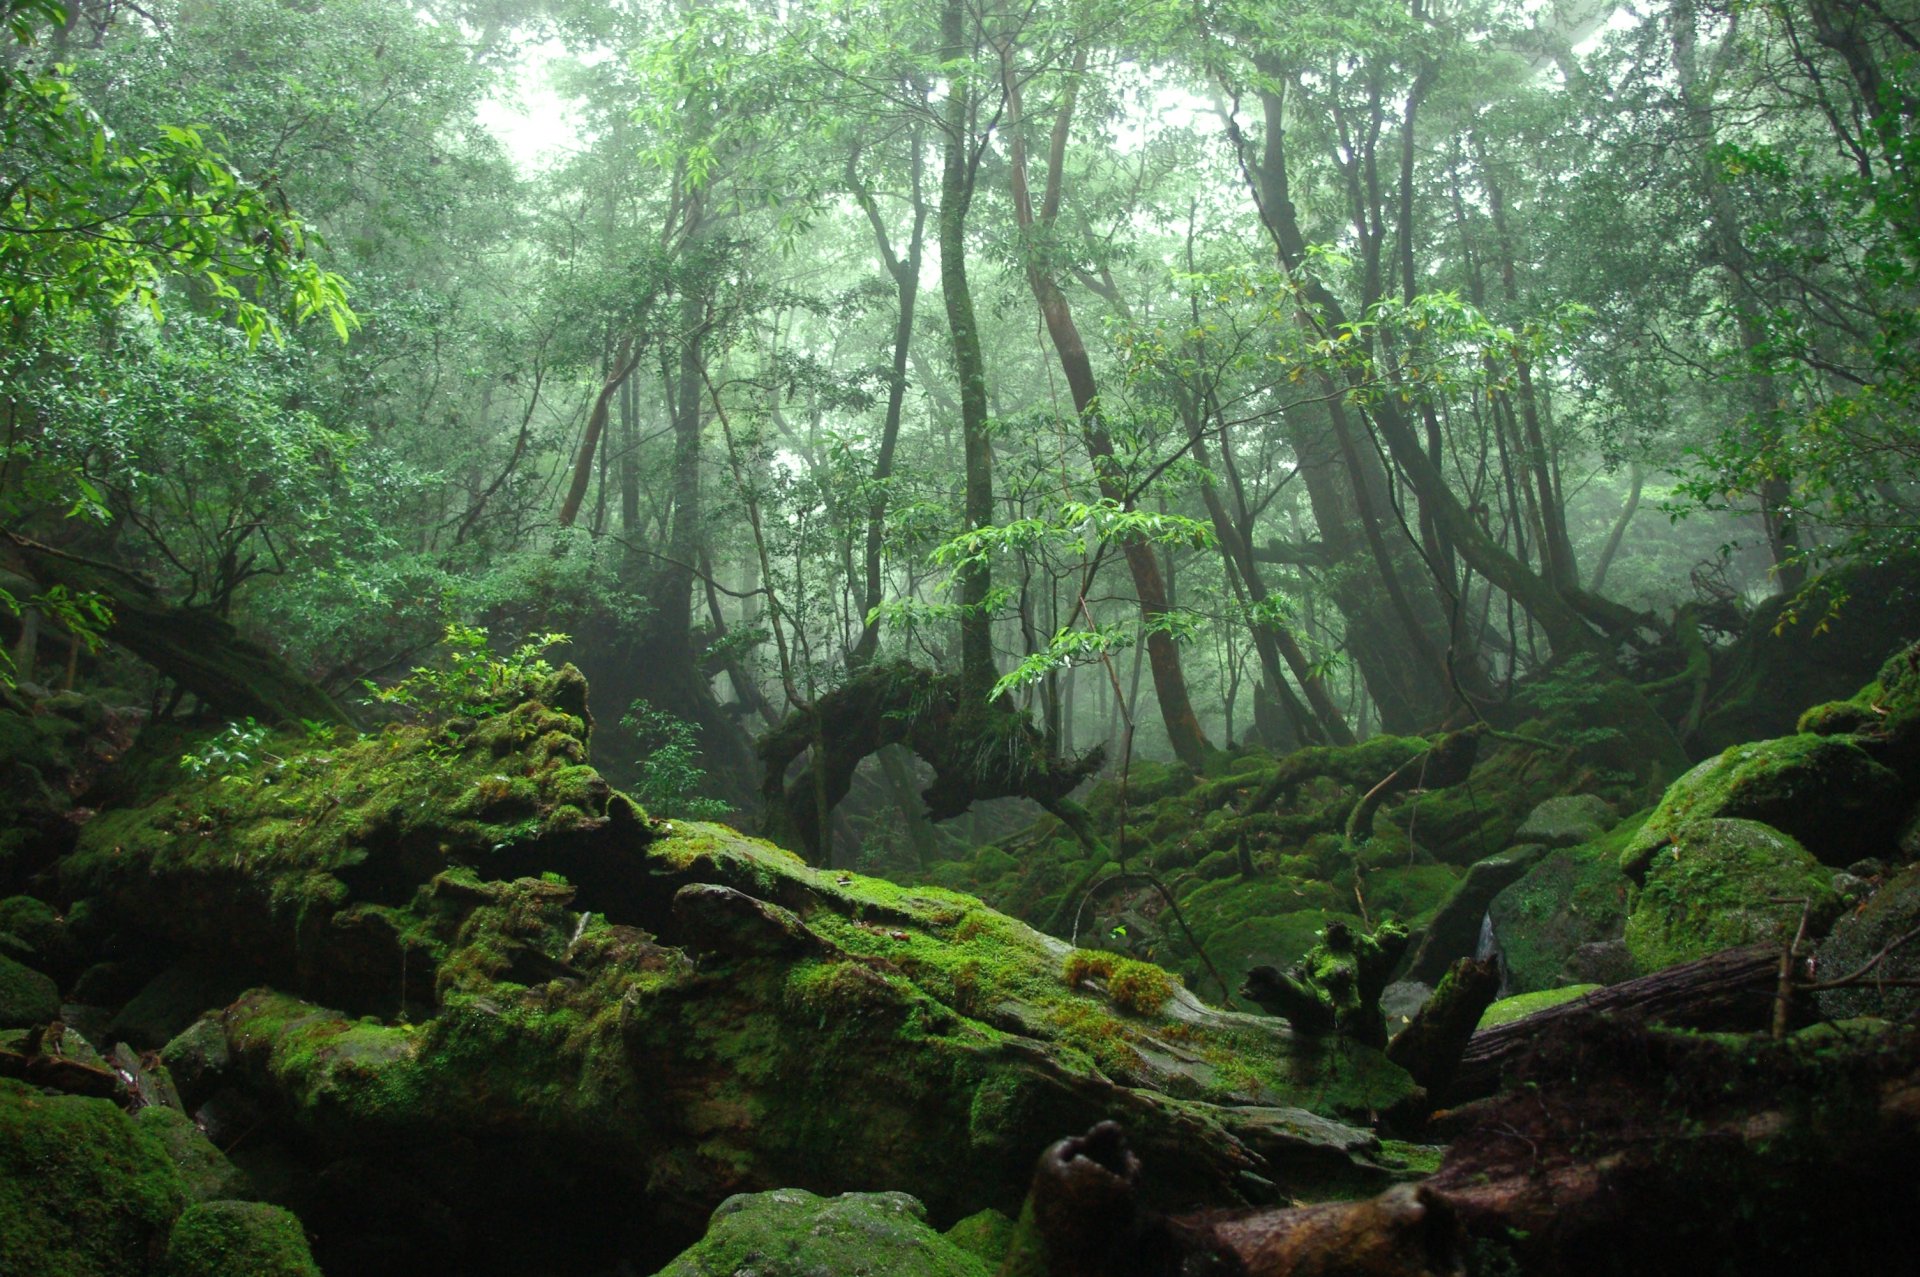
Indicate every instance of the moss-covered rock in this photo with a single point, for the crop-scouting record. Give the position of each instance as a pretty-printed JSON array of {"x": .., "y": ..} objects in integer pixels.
[
  {"x": 1826, "y": 791},
  {"x": 1567, "y": 821},
  {"x": 32, "y": 932},
  {"x": 1720, "y": 884},
  {"x": 619, "y": 1011},
  {"x": 205, "y": 1172},
  {"x": 792, "y": 1233},
  {"x": 26, "y": 996},
  {"x": 237, "y": 1239},
  {"x": 1893, "y": 911},
  {"x": 1453, "y": 931},
  {"x": 84, "y": 1191},
  {"x": 1572, "y": 898}
]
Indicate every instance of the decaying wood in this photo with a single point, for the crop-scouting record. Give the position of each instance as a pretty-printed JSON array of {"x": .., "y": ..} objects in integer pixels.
[
  {"x": 1732, "y": 990},
  {"x": 1431, "y": 1045}
]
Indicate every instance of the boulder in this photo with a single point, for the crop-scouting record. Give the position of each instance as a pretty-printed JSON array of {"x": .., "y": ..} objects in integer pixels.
[
  {"x": 1825, "y": 791},
  {"x": 237, "y": 1239},
  {"x": 1569, "y": 899},
  {"x": 789, "y": 1232},
  {"x": 174, "y": 999},
  {"x": 1722, "y": 884},
  {"x": 494, "y": 986},
  {"x": 84, "y": 1190},
  {"x": 1893, "y": 912},
  {"x": 1567, "y": 821}
]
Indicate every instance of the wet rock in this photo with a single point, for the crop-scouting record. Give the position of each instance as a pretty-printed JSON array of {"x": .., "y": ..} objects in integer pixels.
[
  {"x": 1567, "y": 821},
  {"x": 1721, "y": 884},
  {"x": 792, "y": 1233}
]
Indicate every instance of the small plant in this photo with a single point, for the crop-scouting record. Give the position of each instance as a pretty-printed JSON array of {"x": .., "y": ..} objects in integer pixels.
[
  {"x": 234, "y": 748},
  {"x": 1139, "y": 987},
  {"x": 670, "y": 772},
  {"x": 474, "y": 682}
]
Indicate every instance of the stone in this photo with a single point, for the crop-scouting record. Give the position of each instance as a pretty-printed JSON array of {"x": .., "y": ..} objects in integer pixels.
[
  {"x": 1572, "y": 897},
  {"x": 84, "y": 1190},
  {"x": 204, "y": 1170},
  {"x": 1893, "y": 911},
  {"x": 1825, "y": 791},
  {"x": 793, "y": 1233},
  {"x": 197, "y": 1058},
  {"x": 1567, "y": 821},
  {"x": 1721, "y": 884}
]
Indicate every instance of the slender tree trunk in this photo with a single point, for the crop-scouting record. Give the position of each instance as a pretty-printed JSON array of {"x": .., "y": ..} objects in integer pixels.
[
  {"x": 1169, "y": 679},
  {"x": 959, "y": 168}
]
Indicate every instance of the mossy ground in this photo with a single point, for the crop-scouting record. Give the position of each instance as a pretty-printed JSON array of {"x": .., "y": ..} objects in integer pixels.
[{"x": 1522, "y": 1005}]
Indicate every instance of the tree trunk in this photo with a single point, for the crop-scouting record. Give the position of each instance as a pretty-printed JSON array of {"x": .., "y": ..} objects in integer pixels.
[{"x": 1163, "y": 654}]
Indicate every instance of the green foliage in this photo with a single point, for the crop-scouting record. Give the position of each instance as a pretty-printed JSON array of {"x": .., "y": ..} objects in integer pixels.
[
  {"x": 234, "y": 748},
  {"x": 473, "y": 681},
  {"x": 91, "y": 222},
  {"x": 671, "y": 776}
]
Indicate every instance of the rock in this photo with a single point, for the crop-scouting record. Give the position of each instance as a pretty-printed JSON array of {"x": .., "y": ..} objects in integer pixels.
[
  {"x": 1599, "y": 962},
  {"x": 1401, "y": 1000},
  {"x": 33, "y": 933},
  {"x": 1721, "y": 884},
  {"x": 1825, "y": 791},
  {"x": 1893, "y": 912},
  {"x": 26, "y": 997},
  {"x": 204, "y": 1170},
  {"x": 173, "y": 1000},
  {"x": 237, "y": 1239},
  {"x": 84, "y": 1190},
  {"x": 197, "y": 1058},
  {"x": 1454, "y": 932},
  {"x": 792, "y": 1233},
  {"x": 1567, "y": 821},
  {"x": 1573, "y": 897}
]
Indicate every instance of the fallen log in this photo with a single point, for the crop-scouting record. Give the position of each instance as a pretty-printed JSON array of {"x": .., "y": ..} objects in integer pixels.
[{"x": 1732, "y": 990}]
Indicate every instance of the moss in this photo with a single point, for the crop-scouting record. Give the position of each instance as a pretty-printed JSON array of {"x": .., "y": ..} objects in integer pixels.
[
  {"x": 35, "y": 932},
  {"x": 26, "y": 996},
  {"x": 1724, "y": 883},
  {"x": 205, "y": 1173},
  {"x": 791, "y": 1233},
  {"x": 987, "y": 1235},
  {"x": 1839, "y": 718},
  {"x": 1410, "y": 892},
  {"x": 1139, "y": 987},
  {"x": 1522, "y": 1005},
  {"x": 1825, "y": 791},
  {"x": 83, "y": 1190},
  {"x": 1573, "y": 897},
  {"x": 237, "y": 1239}
]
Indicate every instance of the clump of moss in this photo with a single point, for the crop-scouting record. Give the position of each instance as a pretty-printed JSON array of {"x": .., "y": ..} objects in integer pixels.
[
  {"x": 1725, "y": 883},
  {"x": 237, "y": 1239},
  {"x": 1139, "y": 987},
  {"x": 1522, "y": 1005},
  {"x": 84, "y": 1192}
]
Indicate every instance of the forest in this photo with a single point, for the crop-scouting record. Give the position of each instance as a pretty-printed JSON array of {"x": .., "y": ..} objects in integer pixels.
[{"x": 976, "y": 638}]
